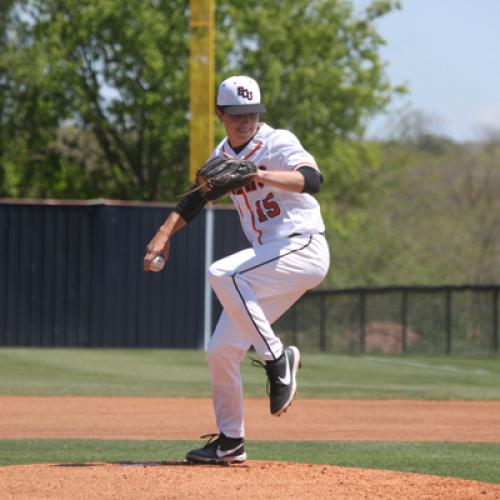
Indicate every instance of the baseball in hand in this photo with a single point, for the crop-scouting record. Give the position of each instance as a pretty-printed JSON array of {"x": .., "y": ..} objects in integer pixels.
[{"x": 157, "y": 263}]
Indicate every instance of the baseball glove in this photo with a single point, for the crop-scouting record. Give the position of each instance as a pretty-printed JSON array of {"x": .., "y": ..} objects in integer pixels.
[{"x": 220, "y": 175}]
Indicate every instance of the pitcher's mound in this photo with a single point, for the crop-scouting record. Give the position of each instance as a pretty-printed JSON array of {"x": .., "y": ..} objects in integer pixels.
[{"x": 254, "y": 479}]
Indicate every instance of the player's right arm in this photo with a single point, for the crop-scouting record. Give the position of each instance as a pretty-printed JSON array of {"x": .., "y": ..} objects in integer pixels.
[{"x": 188, "y": 207}]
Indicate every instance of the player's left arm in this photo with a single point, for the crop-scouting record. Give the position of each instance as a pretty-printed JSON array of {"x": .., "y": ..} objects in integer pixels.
[
  {"x": 303, "y": 180},
  {"x": 297, "y": 171}
]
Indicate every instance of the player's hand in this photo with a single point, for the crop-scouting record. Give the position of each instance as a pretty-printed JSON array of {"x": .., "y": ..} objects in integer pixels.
[{"x": 159, "y": 245}]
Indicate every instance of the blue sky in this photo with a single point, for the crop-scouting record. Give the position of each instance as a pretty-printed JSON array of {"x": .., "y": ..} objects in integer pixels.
[{"x": 447, "y": 52}]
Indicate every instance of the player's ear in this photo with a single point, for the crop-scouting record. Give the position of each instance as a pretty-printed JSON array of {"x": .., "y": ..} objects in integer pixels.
[{"x": 219, "y": 112}]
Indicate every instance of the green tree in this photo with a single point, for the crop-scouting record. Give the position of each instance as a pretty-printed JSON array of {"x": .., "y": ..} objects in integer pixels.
[
  {"x": 116, "y": 69},
  {"x": 433, "y": 219},
  {"x": 321, "y": 75},
  {"x": 112, "y": 76},
  {"x": 5, "y": 8}
]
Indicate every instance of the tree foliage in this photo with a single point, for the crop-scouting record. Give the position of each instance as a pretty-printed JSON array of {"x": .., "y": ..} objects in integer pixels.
[
  {"x": 434, "y": 217},
  {"x": 321, "y": 76},
  {"x": 94, "y": 103},
  {"x": 96, "y": 93},
  {"x": 115, "y": 69}
]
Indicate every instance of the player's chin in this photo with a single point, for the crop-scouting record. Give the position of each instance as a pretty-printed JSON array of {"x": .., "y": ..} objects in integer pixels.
[{"x": 244, "y": 135}]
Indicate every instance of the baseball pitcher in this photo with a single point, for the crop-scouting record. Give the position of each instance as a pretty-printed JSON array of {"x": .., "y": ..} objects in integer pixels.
[{"x": 271, "y": 179}]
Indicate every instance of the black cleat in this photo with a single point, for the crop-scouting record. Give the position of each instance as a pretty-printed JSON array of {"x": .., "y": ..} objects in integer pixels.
[
  {"x": 219, "y": 449},
  {"x": 282, "y": 380}
]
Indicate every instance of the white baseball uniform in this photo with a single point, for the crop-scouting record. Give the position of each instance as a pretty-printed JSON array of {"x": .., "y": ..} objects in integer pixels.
[{"x": 289, "y": 255}]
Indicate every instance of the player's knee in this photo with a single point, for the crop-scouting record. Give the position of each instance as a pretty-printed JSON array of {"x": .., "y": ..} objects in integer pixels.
[
  {"x": 216, "y": 275},
  {"x": 224, "y": 362},
  {"x": 214, "y": 352}
]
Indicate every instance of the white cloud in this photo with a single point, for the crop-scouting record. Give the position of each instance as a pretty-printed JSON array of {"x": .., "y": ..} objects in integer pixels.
[{"x": 488, "y": 116}]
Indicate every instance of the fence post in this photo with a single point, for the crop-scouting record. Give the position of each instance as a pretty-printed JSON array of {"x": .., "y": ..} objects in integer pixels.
[
  {"x": 294, "y": 324},
  {"x": 404, "y": 319},
  {"x": 495, "y": 320},
  {"x": 448, "y": 321},
  {"x": 362, "y": 321},
  {"x": 322, "y": 321}
]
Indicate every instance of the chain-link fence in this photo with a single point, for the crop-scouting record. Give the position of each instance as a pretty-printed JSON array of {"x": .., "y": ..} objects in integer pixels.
[{"x": 420, "y": 320}]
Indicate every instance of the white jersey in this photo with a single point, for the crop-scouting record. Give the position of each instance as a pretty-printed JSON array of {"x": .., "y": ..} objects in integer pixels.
[{"x": 268, "y": 213}]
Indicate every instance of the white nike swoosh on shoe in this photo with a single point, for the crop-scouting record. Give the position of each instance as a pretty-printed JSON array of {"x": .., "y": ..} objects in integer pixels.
[
  {"x": 221, "y": 454},
  {"x": 287, "y": 378}
]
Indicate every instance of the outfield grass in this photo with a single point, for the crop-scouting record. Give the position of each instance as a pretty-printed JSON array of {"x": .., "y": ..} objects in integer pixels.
[
  {"x": 155, "y": 372},
  {"x": 467, "y": 461}
]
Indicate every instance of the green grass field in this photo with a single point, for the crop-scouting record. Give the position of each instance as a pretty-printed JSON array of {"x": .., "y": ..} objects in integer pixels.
[{"x": 123, "y": 372}]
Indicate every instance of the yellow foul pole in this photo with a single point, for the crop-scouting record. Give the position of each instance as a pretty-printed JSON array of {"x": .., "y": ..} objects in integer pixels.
[
  {"x": 201, "y": 82},
  {"x": 201, "y": 125}
]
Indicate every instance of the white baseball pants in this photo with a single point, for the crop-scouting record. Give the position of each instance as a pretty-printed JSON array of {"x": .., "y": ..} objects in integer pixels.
[{"x": 255, "y": 287}]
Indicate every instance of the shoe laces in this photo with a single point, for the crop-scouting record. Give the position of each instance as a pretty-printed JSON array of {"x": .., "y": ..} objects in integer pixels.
[
  {"x": 213, "y": 439},
  {"x": 270, "y": 380}
]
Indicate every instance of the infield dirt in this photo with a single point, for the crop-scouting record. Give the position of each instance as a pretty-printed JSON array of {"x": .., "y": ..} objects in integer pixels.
[{"x": 167, "y": 418}]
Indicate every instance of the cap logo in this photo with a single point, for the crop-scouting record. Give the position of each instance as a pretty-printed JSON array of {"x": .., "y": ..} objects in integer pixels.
[{"x": 245, "y": 93}]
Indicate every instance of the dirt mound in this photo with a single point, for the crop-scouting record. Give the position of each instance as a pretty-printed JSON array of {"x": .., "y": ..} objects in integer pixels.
[
  {"x": 256, "y": 480},
  {"x": 168, "y": 418}
]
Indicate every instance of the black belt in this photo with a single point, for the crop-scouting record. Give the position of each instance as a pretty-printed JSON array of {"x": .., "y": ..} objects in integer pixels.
[{"x": 305, "y": 234}]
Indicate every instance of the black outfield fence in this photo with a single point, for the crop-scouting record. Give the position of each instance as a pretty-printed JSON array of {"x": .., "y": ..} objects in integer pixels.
[
  {"x": 404, "y": 319},
  {"x": 71, "y": 275}
]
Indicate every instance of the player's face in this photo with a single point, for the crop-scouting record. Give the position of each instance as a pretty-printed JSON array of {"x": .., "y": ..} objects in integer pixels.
[{"x": 239, "y": 128}]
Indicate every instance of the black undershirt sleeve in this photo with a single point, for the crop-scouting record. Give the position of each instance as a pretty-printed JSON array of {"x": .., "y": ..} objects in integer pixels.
[
  {"x": 312, "y": 180},
  {"x": 190, "y": 205}
]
